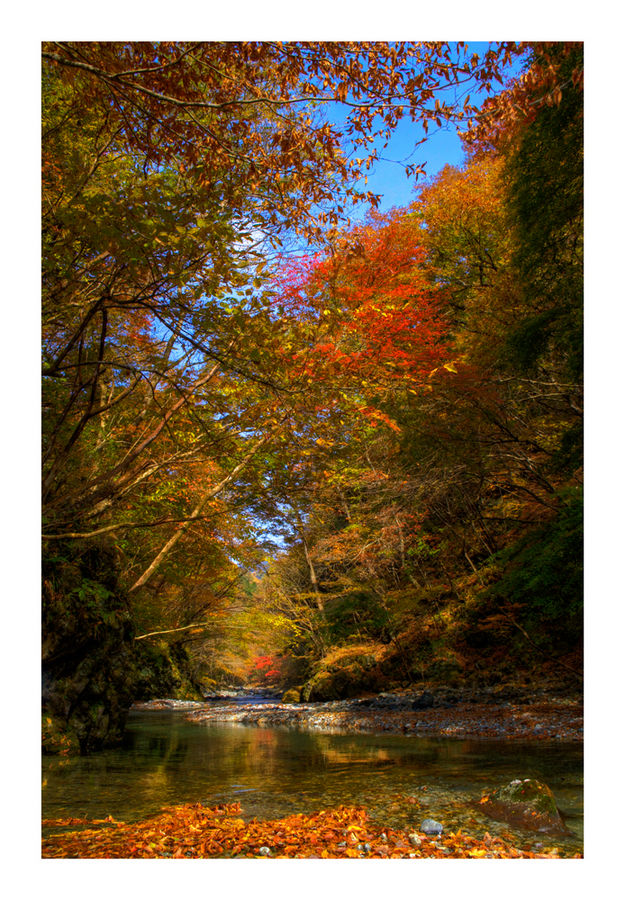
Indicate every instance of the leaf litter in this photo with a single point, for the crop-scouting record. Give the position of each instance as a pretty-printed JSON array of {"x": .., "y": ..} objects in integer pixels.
[{"x": 195, "y": 831}]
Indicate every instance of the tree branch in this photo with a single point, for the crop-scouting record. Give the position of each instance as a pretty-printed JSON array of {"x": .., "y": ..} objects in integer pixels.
[
  {"x": 196, "y": 512},
  {"x": 71, "y": 535},
  {"x": 140, "y": 637}
]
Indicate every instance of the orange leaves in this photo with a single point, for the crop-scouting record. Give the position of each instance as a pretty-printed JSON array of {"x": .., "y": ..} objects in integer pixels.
[
  {"x": 197, "y": 832},
  {"x": 364, "y": 317},
  {"x": 539, "y": 85}
]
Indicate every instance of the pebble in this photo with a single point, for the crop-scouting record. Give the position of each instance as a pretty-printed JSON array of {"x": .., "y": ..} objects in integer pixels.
[
  {"x": 414, "y": 839},
  {"x": 480, "y": 714},
  {"x": 265, "y": 851},
  {"x": 430, "y": 826}
]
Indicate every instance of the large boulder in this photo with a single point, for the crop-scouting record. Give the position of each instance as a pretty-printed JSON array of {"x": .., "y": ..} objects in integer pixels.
[
  {"x": 88, "y": 666},
  {"x": 92, "y": 668},
  {"x": 526, "y": 803},
  {"x": 344, "y": 672}
]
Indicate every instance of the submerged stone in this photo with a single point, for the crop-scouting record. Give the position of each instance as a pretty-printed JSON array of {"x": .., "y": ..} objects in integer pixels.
[
  {"x": 430, "y": 826},
  {"x": 527, "y": 803}
]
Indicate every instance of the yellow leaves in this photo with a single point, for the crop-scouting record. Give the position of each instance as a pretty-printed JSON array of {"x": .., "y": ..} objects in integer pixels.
[
  {"x": 477, "y": 854},
  {"x": 448, "y": 367}
]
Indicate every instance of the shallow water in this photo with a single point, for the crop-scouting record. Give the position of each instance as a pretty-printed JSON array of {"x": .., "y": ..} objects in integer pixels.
[{"x": 272, "y": 772}]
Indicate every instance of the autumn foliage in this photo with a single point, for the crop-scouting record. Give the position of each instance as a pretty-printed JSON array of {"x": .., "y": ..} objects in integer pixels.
[
  {"x": 198, "y": 832},
  {"x": 361, "y": 427},
  {"x": 266, "y": 666}
]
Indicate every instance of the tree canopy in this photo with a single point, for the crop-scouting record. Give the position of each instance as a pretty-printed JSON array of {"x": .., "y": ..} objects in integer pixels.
[{"x": 231, "y": 350}]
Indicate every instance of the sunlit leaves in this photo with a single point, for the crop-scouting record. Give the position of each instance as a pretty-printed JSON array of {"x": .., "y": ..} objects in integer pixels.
[{"x": 196, "y": 831}]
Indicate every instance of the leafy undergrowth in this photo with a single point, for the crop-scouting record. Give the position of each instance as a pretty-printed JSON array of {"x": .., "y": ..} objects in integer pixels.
[{"x": 193, "y": 831}]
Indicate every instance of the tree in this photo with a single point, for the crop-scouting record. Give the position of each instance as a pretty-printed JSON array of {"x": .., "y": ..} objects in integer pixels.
[
  {"x": 164, "y": 165},
  {"x": 186, "y": 378},
  {"x": 420, "y": 316}
]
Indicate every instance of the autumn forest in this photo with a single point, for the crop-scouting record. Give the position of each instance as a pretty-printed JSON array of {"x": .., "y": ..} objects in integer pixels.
[{"x": 295, "y": 443}]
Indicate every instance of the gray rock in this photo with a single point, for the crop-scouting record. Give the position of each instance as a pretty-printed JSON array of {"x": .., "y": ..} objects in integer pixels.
[
  {"x": 265, "y": 851},
  {"x": 425, "y": 701},
  {"x": 430, "y": 826}
]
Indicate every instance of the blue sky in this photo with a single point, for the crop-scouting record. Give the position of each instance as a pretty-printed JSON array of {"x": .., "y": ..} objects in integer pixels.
[{"x": 442, "y": 147}]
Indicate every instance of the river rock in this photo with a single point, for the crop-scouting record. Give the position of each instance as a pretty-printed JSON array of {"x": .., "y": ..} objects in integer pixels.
[
  {"x": 527, "y": 803},
  {"x": 430, "y": 826},
  {"x": 425, "y": 701},
  {"x": 291, "y": 696}
]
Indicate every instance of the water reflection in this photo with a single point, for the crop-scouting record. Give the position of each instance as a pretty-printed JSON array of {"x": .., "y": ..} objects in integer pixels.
[{"x": 272, "y": 772}]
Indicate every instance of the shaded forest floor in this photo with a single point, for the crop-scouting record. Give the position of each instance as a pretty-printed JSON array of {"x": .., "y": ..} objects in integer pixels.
[{"x": 194, "y": 831}]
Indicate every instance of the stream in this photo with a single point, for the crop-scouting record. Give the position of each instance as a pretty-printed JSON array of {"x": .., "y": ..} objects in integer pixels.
[{"x": 273, "y": 772}]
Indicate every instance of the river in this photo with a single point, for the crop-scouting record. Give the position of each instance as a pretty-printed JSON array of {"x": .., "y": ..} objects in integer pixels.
[{"x": 165, "y": 760}]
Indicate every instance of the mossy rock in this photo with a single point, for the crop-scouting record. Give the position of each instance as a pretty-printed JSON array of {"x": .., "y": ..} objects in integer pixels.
[
  {"x": 88, "y": 665},
  {"x": 291, "y": 696},
  {"x": 526, "y": 803},
  {"x": 345, "y": 675}
]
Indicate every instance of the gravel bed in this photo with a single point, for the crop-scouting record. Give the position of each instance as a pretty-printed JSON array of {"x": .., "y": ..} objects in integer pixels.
[{"x": 445, "y": 713}]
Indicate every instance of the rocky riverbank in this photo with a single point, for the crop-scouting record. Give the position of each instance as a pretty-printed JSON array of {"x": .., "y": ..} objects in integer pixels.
[{"x": 491, "y": 713}]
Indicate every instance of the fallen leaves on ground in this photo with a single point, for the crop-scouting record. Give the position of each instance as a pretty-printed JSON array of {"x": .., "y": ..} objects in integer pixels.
[{"x": 194, "y": 831}]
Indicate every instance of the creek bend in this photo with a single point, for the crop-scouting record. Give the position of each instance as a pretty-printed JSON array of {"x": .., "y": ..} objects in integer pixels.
[{"x": 272, "y": 772}]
